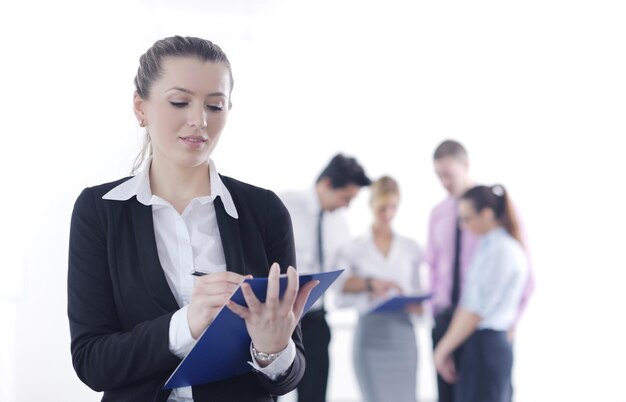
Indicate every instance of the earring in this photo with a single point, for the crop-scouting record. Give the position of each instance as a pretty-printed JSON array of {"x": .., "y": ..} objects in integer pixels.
[{"x": 141, "y": 123}]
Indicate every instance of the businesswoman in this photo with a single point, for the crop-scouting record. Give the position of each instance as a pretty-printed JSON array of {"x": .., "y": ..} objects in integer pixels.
[
  {"x": 490, "y": 301},
  {"x": 134, "y": 308},
  {"x": 378, "y": 265}
]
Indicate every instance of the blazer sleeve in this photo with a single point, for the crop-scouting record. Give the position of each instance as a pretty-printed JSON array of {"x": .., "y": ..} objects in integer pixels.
[
  {"x": 105, "y": 356},
  {"x": 280, "y": 248}
]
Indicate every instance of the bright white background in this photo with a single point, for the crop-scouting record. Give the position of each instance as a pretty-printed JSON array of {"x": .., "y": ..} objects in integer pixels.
[{"x": 536, "y": 91}]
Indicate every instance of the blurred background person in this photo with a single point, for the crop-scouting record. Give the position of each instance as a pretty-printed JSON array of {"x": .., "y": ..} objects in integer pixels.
[
  {"x": 450, "y": 248},
  {"x": 320, "y": 228},
  {"x": 493, "y": 289},
  {"x": 380, "y": 264}
]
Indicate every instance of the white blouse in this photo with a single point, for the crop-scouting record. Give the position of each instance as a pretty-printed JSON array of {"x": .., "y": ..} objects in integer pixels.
[
  {"x": 304, "y": 208},
  {"x": 187, "y": 242},
  {"x": 496, "y": 280},
  {"x": 361, "y": 257}
]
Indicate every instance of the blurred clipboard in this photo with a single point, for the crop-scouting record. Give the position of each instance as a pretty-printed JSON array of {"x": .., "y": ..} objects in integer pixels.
[
  {"x": 397, "y": 303},
  {"x": 223, "y": 349}
]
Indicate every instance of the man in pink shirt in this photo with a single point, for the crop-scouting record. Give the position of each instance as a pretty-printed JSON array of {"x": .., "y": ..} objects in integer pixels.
[{"x": 450, "y": 250}]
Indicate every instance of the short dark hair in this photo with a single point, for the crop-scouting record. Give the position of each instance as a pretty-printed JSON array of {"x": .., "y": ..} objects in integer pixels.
[
  {"x": 343, "y": 171},
  {"x": 450, "y": 148}
]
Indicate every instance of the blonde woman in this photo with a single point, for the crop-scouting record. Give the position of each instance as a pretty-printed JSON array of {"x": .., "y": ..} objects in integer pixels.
[{"x": 378, "y": 265}]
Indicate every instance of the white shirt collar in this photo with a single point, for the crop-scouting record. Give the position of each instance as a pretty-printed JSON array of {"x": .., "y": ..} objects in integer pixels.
[
  {"x": 493, "y": 234},
  {"x": 139, "y": 186}
]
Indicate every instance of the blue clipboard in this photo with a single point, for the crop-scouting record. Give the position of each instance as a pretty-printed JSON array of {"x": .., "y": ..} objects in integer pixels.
[
  {"x": 223, "y": 350},
  {"x": 398, "y": 303}
]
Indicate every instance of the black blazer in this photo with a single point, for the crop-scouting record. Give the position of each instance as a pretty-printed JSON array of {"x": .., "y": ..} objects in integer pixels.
[{"x": 120, "y": 305}]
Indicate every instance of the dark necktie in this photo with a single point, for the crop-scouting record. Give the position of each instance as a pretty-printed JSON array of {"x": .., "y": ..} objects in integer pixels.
[
  {"x": 320, "y": 250},
  {"x": 320, "y": 247},
  {"x": 456, "y": 268}
]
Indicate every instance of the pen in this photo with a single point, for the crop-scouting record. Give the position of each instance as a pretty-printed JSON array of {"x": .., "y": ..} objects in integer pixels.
[{"x": 195, "y": 272}]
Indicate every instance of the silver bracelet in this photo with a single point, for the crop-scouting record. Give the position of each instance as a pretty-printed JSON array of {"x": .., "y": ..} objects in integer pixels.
[{"x": 265, "y": 357}]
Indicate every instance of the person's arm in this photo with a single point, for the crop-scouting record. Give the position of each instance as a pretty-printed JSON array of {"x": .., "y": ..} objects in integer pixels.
[
  {"x": 103, "y": 354},
  {"x": 344, "y": 259},
  {"x": 488, "y": 288},
  {"x": 530, "y": 284},
  {"x": 528, "y": 291},
  {"x": 280, "y": 248},
  {"x": 376, "y": 287},
  {"x": 357, "y": 281},
  {"x": 416, "y": 264},
  {"x": 464, "y": 323},
  {"x": 430, "y": 255}
]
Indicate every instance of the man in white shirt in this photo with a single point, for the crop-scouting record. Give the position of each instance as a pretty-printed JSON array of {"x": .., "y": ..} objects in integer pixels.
[{"x": 320, "y": 228}]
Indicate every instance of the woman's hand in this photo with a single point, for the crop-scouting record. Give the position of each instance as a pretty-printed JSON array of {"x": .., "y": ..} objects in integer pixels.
[
  {"x": 415, "y": 308},
  {"x": 271, "y": 324},
  {"x": 510, "y": 335},
  {"x": 210, "y": 293},
  {"x": 382, "y": 288},
  {"x": 444, "y": 363}
]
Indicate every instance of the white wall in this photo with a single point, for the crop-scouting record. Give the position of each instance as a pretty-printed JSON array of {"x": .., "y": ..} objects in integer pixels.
[{"x": 534, "y": 89}]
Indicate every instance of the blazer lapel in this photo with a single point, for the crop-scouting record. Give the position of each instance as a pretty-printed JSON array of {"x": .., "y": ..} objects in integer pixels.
[
  {"x": 231, "y": 239},
  {"x": 149, "y": 264}
]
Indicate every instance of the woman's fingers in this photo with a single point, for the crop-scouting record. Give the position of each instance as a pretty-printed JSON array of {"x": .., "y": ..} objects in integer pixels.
[
  {"x": 398, "y": 288},
  {"x": 213, "y": 301},
  {"x": 273, "y": 287},
  {"x": 209, "y": 295},
  {"x": 271, "y": 324},
  {"x": 237, "y": 309},
  {"x": 293, "y": 284},
  {"x": 415, "y": 308},
  {"x": 216, "y": 288},
  {"x": 217, "y": 284},
  {"x": 303, "y": 295},
  {"x": 447, "y": 369},
  {"x": 450, "y": 373},
  {"x": 254, "y": 305}
]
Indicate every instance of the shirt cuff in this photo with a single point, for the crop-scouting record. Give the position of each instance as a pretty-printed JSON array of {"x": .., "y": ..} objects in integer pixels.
[
  {"x": 279, "y": 366},
  {"x": 180, "y": 342}
]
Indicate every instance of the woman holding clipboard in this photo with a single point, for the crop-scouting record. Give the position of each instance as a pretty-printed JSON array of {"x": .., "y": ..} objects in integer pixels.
[
  {"x": 134, "y": 307},
  {"x": 379, "y": 265}
]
